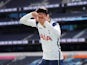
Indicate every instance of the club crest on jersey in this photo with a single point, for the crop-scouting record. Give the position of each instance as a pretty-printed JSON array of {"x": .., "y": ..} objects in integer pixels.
[{"x": 44, "y": 37}]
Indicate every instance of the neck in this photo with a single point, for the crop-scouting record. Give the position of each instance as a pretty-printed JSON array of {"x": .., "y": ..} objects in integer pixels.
[{"x": 42, "y": 23}]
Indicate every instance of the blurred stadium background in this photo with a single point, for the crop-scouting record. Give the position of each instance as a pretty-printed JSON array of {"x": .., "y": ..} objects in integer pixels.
[{"x": 19, "y": 44}]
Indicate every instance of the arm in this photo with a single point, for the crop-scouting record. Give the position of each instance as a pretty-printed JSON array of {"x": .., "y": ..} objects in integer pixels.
[
  {"x": 26, "y": 20},
  {"x": 55, "y": 29}
]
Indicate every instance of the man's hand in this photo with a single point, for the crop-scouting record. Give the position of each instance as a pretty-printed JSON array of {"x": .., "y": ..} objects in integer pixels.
[{"x": 35, "y": 15}]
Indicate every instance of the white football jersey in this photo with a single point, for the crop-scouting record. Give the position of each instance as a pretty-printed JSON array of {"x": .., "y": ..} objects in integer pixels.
[{"x": 49, "y": 37}]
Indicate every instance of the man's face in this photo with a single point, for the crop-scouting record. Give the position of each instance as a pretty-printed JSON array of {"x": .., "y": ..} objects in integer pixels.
[{"x": 41, "y": 15}]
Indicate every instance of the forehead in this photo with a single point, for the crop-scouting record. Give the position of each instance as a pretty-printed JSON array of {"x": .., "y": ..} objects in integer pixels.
[{"x": 41, "y": 13}]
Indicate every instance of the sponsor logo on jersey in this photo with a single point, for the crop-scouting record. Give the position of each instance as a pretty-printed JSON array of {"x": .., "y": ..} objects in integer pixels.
[{"x": 45, "y": 37}]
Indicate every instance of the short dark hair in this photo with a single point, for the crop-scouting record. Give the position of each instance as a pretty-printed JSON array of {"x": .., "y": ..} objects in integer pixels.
[{"x": 42, "y": 10}]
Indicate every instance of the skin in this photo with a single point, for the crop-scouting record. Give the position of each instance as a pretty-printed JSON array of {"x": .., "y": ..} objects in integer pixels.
[{"x": 41, "y": 17}]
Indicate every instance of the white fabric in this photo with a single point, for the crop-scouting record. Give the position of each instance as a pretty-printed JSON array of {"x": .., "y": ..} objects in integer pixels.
[{"x": 49, "y": 36}]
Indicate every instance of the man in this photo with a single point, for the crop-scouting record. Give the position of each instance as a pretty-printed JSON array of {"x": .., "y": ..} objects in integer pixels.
[{"x": 49, "y": 32}]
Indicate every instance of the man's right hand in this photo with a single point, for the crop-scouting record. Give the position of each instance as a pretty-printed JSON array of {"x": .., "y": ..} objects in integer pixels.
[{"x": 35, "y": 15}]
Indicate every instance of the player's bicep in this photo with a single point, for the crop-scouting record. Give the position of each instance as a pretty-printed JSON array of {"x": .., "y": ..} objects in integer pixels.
[
  {"x": 26, "y": 20},
  {"x": 29, "y": 22}
]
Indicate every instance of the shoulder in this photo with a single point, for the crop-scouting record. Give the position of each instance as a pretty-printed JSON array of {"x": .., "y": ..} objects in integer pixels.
[{"x": 54, "y": 23}]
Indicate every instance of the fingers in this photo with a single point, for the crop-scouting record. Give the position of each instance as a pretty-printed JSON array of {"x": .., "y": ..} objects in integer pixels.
[{"x": 34, "y": 14}]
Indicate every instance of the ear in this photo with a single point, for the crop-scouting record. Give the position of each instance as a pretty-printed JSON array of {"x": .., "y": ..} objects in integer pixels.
[{"x": 48, "y": 16}]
